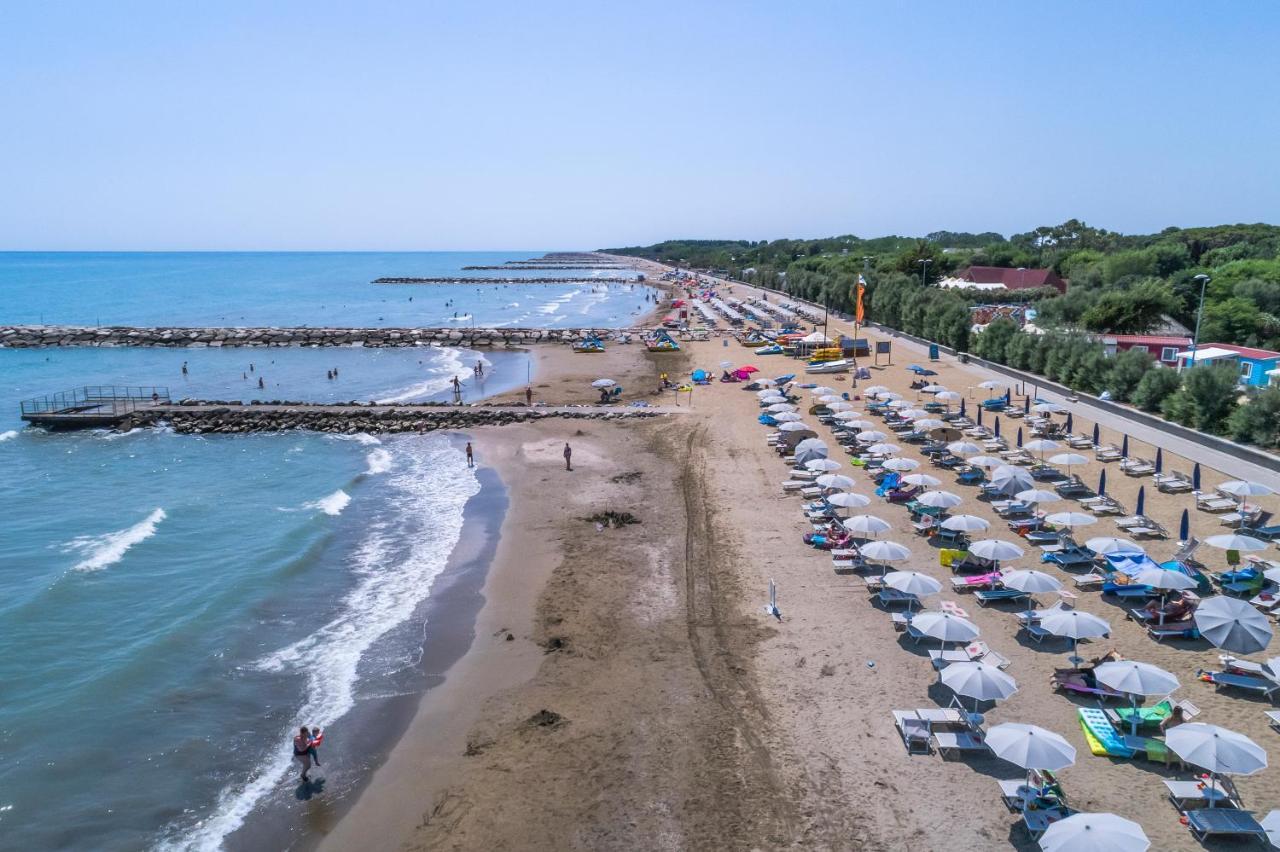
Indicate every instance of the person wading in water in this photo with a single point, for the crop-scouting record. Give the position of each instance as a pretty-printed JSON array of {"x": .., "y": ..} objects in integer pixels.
[{"x": 304, "y": 749}]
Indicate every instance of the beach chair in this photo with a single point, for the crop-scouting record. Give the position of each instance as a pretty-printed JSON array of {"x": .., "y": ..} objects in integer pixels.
[
  {"x": 1229, "y": 680},
  {"x": 1073, "y": 488},
  {"x": 1154, "y": 716},
  {"x": 999, "y": 596},
  {"x": 1038, "y": 785},
  {"x": 959, "y": 741},
  {"x": 1161, "y": 632},
  {"x": 1106, "y": 505},
  {"x": 893, "y": 597},
  {"x": 1107, "y": 453},
  {"x": 1215, "y": 503},
  {"x": 975, "y": 582},
  {"x": 1072, "y": 558},
  {"x": 1092, "y": 580},
  {"x": 1080, "y": 442},
  {"x": 1273, "y": 719},
  {"x": 979, "y": 652},
  {"x": 1173, "y": 483},
  {"x": 1224, "y": 822},
  {"x": 1137, "y": 467},
  {"x": 944, "y": 658},
  {"x": 914, "y": 730},
  {"x": 1268, "y": 533},
  {"x": 1174, "y": 612}
]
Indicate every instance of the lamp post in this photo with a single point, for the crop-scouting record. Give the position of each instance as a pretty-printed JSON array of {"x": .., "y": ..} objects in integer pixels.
[
  {"x": 924, "y": 269},
  {"x": 1195, "y": 341}
]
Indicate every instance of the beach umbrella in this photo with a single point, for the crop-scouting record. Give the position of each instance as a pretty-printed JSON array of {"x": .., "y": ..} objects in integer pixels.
[
  {"x": 1008, "y": 397},
  {"x": 823, "y": 390},
  {"x": 603, "y": 383},
  {"x": 840, "y": 406},
  {"x": 966, "y": 523},
  {"x": 1073, "y": 624},
  {"x": 885, "y": 551},
  {"x": 922, "y": 480},
  {"x": 1029, "y": 746},
  {"x": 772, "y": 399},
  {"x": 1032, "y": 583},
  {"x": 1070, "y": 519},
  {"x": 984, "y": 461},
  {"x": 781, "y": 407},
  {"x": 937, "y": 499},
  {"x": 890, "y": 398},
  {"x": 1195, "y": 477},
  {"x": 945, "y": 395},
  {"x": 1094, "y": 833},
  {"x": 901, "y": 465},
  {"x": 991, "y": 384},
  {"x": 1047, "y": 408},
  {"x": 980, "y": 415},
  {"x": 979, "y": 681},
  {"x": 1036, "y": 495},
  {"x": 1166, "y": 579},
  {"x": 761, "y": 394},
  {"x": 1069, "y": 460},
  {"x": 1184, "y": 526},
  {"x": 912, "y": 583},
  {"x": 794, "y": 426},
  {"x": 1235, "y": 541},
  {"x": 882, "y": 449},
  {"x": 846, "y": 415},
  {"x": 1070, "y": 421},
  {"x": 1243, "y": 488},
  {"x": 997, "y": 429},
  {"x": 815, "y": 446},
  {"x": 835, "y": 481},
  {"x": 1271, "y": 825},
  {"x": 748, "y": 369},
  {"x": 875, "y": 389},
  {"x": 1008, "y": 480},
  {"x": 1019, "y": 441},
  {"x": 726, "y": 365},
  {"x": 1111, "y": 546},
  {"x": 945, "y": 627},
  {"x": 1097, "y": 434},
  {"x": 830, "y": 398},
  {"x": 1221, "y": 751},
  {"x": 768, "y": 383},
  {"x": 935, "y": 388},
  {"x": 1040, "y": 445},
  {"x": 963, "y": 448},
  {"x": 1102, "y": 483},
  {"x": 995, "y": 550},
  {"x": 1026, "y": 405},
  {"x": 899, "y": 405},
  {"x": 866, "y": 525},
  {"x": 962, "y": 408},
  {"x": 1137, "y": 680},
  {"x": 1233, "y": 625},
  {"x": 822, "y": 465},
  {"x": 912, "y": 414},
  {"x": 1159, "y": 460},
  {"x": 1124, "y": 446},
  {"x": 929, "y": 423},
  {"x": 788, "y": 417},
  {"x": 1142, "y": 501},
  {"x": 860, "y": 424},
  {"x": 848, "y": 500},
  {"x": 870, "y": 436}
]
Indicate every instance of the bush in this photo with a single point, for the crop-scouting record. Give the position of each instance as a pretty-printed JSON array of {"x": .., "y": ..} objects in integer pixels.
[
  {"x": 1155, "y": 387},
  {"x": 1127, "y": 370},
  {"x": 1206, "y": 400},
  {"x": 1258, "y": 421}
]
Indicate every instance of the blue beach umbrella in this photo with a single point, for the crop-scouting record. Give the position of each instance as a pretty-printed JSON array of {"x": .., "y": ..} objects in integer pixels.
[
  {"x": 1102, "y": 482},
  {"x": 1008, "y": 397},
  {"x": 1070, "y": 421},
  {"x": 1097, "y": 433},
  {"x": 1195, "y": 477},
  {"x": 997, "y": 427},
  {"x": 1159, "y": 461},
  {"x": 1142, "y": 500},
  {"x": 1184, "y": 526},
  {"x": 1026, "y": 405},
  {"x": 962, "y": 408},
  {"x": 1124, "y": 446},
  {"x": 1019, "y": 436},
  {"x": 979, "y": 415}
]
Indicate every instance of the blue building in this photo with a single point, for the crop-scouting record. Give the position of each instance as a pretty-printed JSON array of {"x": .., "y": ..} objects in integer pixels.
[{"x": 1258, "y": 368}]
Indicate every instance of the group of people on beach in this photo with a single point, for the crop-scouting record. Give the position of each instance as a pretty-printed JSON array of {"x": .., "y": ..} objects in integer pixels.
[{"x": 304, "y": 748}]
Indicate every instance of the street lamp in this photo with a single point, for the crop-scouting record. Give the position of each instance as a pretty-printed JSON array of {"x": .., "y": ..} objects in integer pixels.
[
  {"x": 1195, "y": 341},
  {"x": 924, "y": 269}
]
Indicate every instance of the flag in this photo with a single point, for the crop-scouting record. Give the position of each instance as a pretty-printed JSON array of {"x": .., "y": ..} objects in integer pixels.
[{"x": 862, "y": 288}]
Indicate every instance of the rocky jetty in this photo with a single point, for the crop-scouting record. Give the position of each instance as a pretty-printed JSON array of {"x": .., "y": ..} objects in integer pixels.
[
  {"x": 36, "y": 336},
  {"x": 603, "y": 279},
  {"x": 202, "y": 417}
]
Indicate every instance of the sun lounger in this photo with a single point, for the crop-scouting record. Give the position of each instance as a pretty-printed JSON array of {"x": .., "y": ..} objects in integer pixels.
[
  {"x": 1172, "y": 483},
  {"x": 1154, "y": 715},
  {"x": 942, "y": 659},
  {"x": 1214, "y": 503},
  {"x": 1081, "y": 682},
  {"x": 1038, "y": 785},
  {"x": 1069, "y": 558},
  {"x": 1137, "y": 467},
  {"x": 1036, "y": 632},
  {"x": 1149, "y": 530},
  {"x": 893, "y": 597},
  {"x": 1229, "y": 680},
  {"x": 977, "y": 581},
  {"x": 1108, "y": 453},
  {"x": 1224, "y": 822},
  {"x": 1080, "y": 442},
  {"x": 1102, "y": 737},
  {"x": 1151, "y": 748},
  {"x": 1273, "y": 719},
  {"x": 958, "y": 741},
  {"x": 1092, "y": 580},
  {"x": 1038, "y": 821},
  {"x": 1172, "y": 631},
  {"x": 1073, "y": 488},
  {"x": 914, "y": 730},
  {"x": 999, "y": 595},
  {"x": 1189, "y": 795},
  {"x": 1268, "y": 533}
]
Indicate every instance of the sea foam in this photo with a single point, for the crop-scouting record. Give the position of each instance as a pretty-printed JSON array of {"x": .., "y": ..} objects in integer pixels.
[
  {"x": 8, "y": 436},
  {"x": 109, "y": 548},
  {"x": 379, "y": 462},
  {"x": 333, "y": 504}
]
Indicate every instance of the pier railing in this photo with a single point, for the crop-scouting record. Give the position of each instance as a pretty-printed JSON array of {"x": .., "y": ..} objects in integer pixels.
[{"x": 96, "y": 400}]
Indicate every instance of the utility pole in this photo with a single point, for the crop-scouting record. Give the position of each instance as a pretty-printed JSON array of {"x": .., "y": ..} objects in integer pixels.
[
  {"x": 1195, "y": 341},
  {"x": 924, "y": 270}
]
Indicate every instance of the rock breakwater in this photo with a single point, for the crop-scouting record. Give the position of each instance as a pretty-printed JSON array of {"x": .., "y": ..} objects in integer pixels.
[{"x": 601, "y": 279}]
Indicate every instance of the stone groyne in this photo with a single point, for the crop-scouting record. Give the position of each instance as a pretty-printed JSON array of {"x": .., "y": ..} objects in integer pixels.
[
  {"x": 603, "y": 279},
  {"x": 550, "y": 266},
  {"x": 38, "y": 336},
  {"x": 197, "y": 417}
]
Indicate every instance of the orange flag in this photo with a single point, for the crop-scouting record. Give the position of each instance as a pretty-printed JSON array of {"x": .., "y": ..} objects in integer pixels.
[{"x": 862, "y": 288}]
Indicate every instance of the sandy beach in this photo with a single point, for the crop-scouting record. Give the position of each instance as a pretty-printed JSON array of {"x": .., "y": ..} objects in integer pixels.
[{"x": 644, "y": 699}]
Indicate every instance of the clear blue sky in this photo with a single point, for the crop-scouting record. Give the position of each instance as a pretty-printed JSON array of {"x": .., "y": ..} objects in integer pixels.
[{"x": 318, "y": 125}]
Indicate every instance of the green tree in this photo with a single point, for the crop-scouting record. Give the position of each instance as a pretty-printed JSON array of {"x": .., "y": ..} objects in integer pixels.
[
  {"x": 1258, "y": 421},
  {"x": 1131, "y": 311},
  {"x": 1127, "y": 370},
  {"x": 1206, "y": 399},
  {"x": 1232, "y": 320},
  {"x": 991, "y": 343},
  {"x": 1154, "y": 387}
]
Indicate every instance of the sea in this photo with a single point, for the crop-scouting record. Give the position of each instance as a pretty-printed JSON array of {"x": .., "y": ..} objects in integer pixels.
[{"x": 172, "y": 607}]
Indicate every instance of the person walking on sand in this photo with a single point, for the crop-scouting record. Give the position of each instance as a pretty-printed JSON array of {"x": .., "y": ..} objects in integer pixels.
[
  {"x": 568, "y": 456},
  {"x": 471, "y": 459}
]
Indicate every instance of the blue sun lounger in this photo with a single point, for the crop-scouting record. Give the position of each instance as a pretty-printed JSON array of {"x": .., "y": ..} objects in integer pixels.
[
  {"x": 997, "y": 595},
  {"x": 1069, "y": 558},
  {"x": 1224, "y": 822}
]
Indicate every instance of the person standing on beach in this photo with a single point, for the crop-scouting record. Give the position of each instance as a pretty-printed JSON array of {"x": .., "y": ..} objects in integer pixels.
[
  {"x": 568, "y": 456},
  {"x": 471, "y": 460},
  {"x": 302, "y": 751},
  {"x": 528, "y": 396},
  {"x": 457, "y": 391}
]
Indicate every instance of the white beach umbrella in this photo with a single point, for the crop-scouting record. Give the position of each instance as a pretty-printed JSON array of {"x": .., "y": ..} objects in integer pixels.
[
  {"x": 885, "y": 551},
  {"x": 1031, "y": 581},
  {"x": 1030, "y": 746},
  {"x": 883, "y": 449},
  {"x": 849, "y": 500},
  {"x": 765, "y": 383},
  {"x": 874, "y": 390},
  {"x": 822, "y": 465},
  {"x": 761, "y": 394},
  {"x": 1036, "y": 495},
  {"x": 926, "y": 423},
  {"x": 985, "y": 462},
  {"x": 934, "y": 499},
  {"x": 921, "y": 480},
  {"x": 901, "y": 465},
  {"x": 781, "y": 407},
  {"x": 1243, "y": 488},
  {"x": 1094, "y": 833},
  {"x": 840, "y": 405},
  {"x": 912, "y": 583},
  {"x": 1048, "y": 408},
  {"x": 838, "y": 481},
  {"x": 1008, "y": 480},
  {"x": 889, "y": 397},
  {"x": 772, "y": 399},
  {"x": 1271, "y": 822},
  {"x": 603, "y": 383},
  {"x": 811, "y": 445},
  {"x": 912, "y": 414},
  {"x": 1136, "y": 679},
  {"x": 1070, "y": 519},
  {"x": 1068, "y": 460},
  {"x": 967, "y": 523},
  {"x": 1221, "y": 751},
  {"x": 1041, "y": 446},
  {"x": 1233, "y": 625},
  {"x": 823, "y": 390},
  {"x": 899, "y": 403},
  {"x": 947, "y": 396},
  {"x": 1072, "y": 624},
  {"x": 866, "y": 525},
  {"x": 963, "y": 448},
  {"x": 870, "y": 436},
  {"x": 847, "y": 415},
  {"x": 1235, "y": 541},
  {"x": 945, "y": 626},
  {"x": 1164, "y": 578},
  {"x": 991, "y": 384},
  {"x": 933, "y": 389},
  {"x": 794, "y": 426},
  {"x": 859, "y": 424},
  {"x": 976, "y": 680},
  {"x": 788, "y": 417},
  {"x": 1106, "y": 545},
  {"x": 995, "y": 550},
  {"x": 830, "y": 397}
]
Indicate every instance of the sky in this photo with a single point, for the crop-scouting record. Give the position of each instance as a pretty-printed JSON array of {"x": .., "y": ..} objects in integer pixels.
[{"x": 549, "y": 125}]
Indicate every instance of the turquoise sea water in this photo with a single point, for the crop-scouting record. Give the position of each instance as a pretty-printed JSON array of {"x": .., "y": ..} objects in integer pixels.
[{"x": 172, "y": 606}]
